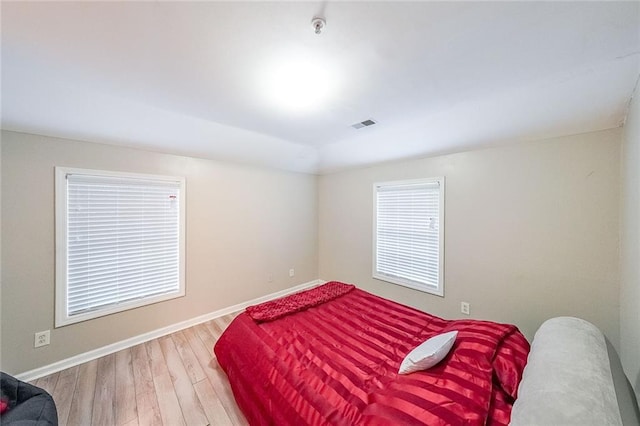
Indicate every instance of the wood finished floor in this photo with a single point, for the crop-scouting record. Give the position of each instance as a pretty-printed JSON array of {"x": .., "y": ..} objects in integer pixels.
[{"x": 173, "y": 380}]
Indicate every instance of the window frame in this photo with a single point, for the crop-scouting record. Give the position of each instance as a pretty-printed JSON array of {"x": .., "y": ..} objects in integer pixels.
[
  {"x": 61, "y": 261},
  {"x": 419, "y": 286}
]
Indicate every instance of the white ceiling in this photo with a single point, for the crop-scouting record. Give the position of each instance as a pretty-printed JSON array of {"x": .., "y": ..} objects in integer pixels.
[{"x": 192, "y": 77}]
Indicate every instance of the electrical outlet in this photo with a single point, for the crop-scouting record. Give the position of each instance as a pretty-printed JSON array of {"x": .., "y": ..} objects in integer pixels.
[
  {"x": 42, "y": 338},
  {"x": 465, "y": 307},
  {"x": 292, "y": 272}
]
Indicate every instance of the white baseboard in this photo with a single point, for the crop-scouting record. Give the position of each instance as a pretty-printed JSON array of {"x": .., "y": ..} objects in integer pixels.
[{"x": 36, "y": 373}]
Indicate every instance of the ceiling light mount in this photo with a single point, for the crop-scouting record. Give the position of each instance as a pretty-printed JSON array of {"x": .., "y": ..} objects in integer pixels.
[{"x": 318, "y": 24}]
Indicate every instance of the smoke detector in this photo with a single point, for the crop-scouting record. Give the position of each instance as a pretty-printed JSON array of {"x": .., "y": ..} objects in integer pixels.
[
  {"x": 365, "y": 123},
  {"x": 318, "y": 24}
]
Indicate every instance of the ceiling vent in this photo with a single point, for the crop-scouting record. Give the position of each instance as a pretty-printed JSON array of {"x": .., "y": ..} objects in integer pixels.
[{"x": 365, "y": 123}]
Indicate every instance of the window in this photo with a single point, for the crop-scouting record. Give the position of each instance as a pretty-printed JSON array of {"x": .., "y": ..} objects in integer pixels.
[
  {"x": 408, "y": 233},
  {"x": 119, "y": 242}
]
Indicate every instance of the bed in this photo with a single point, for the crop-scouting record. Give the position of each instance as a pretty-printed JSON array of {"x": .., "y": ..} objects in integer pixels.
[{"x": 331, "y": 355}]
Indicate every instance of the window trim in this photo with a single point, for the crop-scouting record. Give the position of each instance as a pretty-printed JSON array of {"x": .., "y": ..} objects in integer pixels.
[
  {"x": 61, "y": 316},
  {"x": 425, "y": 288}
]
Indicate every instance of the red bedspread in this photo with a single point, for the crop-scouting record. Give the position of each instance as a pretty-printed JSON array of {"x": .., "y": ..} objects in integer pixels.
[{"x": 337, "y": 363}]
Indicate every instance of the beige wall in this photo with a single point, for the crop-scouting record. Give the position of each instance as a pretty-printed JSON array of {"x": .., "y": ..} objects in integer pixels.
[
  {"x": 531, "y": 231},
  {"x": 243, "y": 224},
  {"x": 630, "y": 247}
]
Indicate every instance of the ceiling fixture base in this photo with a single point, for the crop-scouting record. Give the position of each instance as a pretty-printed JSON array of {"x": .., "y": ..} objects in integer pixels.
[{"x": 318, "y": 24}]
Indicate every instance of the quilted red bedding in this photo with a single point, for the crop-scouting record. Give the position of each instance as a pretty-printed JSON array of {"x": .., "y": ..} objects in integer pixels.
[{"x": 337, "y": 363}]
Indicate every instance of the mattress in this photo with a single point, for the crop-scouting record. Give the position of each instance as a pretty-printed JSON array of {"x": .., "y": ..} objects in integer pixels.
[{"x": 337, "y": 363}]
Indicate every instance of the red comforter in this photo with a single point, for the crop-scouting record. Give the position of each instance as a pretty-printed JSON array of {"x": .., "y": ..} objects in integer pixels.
[{"x": 337, "y": 363}]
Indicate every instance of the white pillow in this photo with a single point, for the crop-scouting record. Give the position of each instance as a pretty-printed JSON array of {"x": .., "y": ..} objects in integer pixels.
[{"x": 429, "y": 353}]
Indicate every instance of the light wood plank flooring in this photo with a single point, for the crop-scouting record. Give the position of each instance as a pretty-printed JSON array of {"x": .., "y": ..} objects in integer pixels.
[{"x": 173, "y": 380}]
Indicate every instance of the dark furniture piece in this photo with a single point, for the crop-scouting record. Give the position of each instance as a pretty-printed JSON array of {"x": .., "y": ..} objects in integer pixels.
[{"x": 29, "y": 405}]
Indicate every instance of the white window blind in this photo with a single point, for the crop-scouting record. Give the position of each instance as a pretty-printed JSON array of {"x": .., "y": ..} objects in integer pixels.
[
  {"x": 408, "y": 233},
  {"x": 123, "y": 242}
]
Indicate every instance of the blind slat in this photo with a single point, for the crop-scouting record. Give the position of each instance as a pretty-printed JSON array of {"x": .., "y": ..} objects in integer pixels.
[
  {"x": 122, "y": 240},
  {"x": 408, "y": 245}
]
